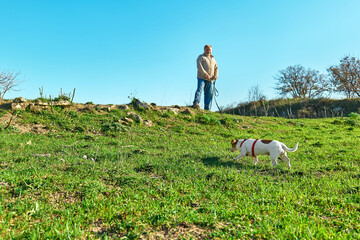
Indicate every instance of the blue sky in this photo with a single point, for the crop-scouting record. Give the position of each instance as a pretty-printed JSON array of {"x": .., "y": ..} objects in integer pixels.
[{"x": 111, "y": 49}]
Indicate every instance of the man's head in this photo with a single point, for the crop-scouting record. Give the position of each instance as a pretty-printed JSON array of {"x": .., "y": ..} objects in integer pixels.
[{"x": 207, "y": 49}]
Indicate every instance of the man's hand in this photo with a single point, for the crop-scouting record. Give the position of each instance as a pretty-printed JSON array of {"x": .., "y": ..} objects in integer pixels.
[
  {"x": 207, "y": 77},
  {"x": 214, "y": 78}
]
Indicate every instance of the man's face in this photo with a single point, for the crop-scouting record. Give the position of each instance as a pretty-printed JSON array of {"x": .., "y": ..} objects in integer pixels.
[{"x": 207, "y": 50}]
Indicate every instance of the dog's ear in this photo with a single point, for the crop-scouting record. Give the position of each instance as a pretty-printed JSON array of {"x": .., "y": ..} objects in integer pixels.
[{"x": 234, "y": 141}]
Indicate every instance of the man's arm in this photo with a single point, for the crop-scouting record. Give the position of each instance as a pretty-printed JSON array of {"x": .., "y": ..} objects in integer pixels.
[
  {"x": 215, "y": 72},
  {"x": 201, "y": 68}
]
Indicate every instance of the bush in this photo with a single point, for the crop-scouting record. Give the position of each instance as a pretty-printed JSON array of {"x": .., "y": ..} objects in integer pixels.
[
  {"x": 113, "y": 127},
  {"x": 62, "y": 97},
  {"x": 228, "y": 121},
  {"x": 350, "y": 122},
  {"x": 208, "y": 119},
  {"x": 79, "y": 129},
  {"x": 110, "y": 127},
  {"x": 353, "y": 115},
  {"x": 178, "y": 128},
  {"x": 337, "y": 122}
]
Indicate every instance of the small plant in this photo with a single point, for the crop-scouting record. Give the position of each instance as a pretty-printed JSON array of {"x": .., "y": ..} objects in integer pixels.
[
  {"x": 178, "y": 128},
  {"x": 112, "y": 127},
  {"x": 79, "y": 129},
  {"x": 228, "y": 121},
  {"x": 354, "y": 115},
  {"x": 41, "y": 90},
  {"x": 167, "y": 114},
  {"x": 337, "y": 122},
  {"x": 208, "y": 119},
  {"x": 2, "y": 112},
  {"x": 61, "y": 98},
  {"x": 350, "y": 122}
]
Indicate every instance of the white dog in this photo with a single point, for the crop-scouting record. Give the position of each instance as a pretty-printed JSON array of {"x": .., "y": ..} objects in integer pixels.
[{"x": 255, "y": 147}]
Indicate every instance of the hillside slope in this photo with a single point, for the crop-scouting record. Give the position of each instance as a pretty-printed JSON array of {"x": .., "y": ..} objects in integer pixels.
[{"x": 167, "y": 173}]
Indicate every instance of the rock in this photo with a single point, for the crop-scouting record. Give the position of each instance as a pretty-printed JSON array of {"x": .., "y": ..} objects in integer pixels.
[
  {"x": 40, "y": 103},
  {"x": 174, "y": 110},
  {"x": 20, "y": 100},
  {"x": 62, "y": 103},
  {"x": 153, "y": 106},
  {"x": 187, "y": 111},
  {"x": 128, "y": 120},
  {"x": 124, "y": 107},
  {"x": 175, "y": 106},
  {"x": 19, "y": 106},
  {"x": 148, "y": 123},
  {"x": 135, "y": 116},
  {"x": 38, "y": 108},
  {"x": 88, "y": 108},
  {"x": 110, "y": 108},
  {"x": 139, "y": 104},
  {"x": 101, "y": 107},
  {"x": 126, "y": 123}
]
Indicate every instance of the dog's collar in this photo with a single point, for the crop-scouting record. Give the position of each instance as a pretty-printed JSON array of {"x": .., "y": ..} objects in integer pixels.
[{"x": 242, "y": 142}]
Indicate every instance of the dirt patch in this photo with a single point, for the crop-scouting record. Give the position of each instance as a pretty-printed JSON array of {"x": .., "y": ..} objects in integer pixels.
[
  {"x": 181, "y": 231},
  {"x": 62, "y": 197},
  {"x": 22, "y": 128}
]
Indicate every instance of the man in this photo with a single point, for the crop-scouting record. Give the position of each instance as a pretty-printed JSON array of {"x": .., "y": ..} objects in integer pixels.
[{"x": 206, "y": 74}]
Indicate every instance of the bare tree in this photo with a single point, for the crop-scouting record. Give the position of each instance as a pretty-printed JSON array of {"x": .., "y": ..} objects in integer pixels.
[
  {"x": 345, "y": 77},
  {"x": 255, "y": 94},
  {"x": 9, "y": 80},
  {"x": 301, "y": 82}
]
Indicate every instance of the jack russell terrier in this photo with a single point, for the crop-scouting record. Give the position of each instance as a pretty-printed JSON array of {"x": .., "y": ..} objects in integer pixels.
[{"x": 255, "y": 147}]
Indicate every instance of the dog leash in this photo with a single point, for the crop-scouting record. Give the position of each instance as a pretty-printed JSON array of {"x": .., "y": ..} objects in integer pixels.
[{"x": 214, "y": 95}]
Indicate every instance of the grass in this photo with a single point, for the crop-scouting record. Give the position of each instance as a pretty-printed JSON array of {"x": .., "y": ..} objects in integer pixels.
[{"x": 88, "y": 176}]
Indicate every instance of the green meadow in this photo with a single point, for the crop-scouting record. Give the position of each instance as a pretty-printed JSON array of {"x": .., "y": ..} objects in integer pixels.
[{"x": 87, "y": 175}]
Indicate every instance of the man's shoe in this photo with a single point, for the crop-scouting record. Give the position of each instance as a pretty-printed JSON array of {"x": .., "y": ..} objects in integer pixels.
[{"x": 196, "y": 106}]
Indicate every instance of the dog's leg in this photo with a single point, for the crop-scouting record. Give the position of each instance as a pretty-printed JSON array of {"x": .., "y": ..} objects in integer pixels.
[
  {"x": 285, "y": 158},
  {"x": 240, "y": 156},
  {"x": 255, "y": 160},
  {"x": 274, "y": 162},
  {"x": 274, "y": 157}
]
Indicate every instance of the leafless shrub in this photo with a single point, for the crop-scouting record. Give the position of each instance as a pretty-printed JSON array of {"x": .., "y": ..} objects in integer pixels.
[{"x": 9, "y": 80}]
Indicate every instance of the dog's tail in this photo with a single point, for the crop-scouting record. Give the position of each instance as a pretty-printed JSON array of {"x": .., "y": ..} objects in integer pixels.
[{"x": 290, "y": 149}]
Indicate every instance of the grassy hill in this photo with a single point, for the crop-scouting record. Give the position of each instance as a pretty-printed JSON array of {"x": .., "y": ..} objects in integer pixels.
[{"x": 88, "y": 172}]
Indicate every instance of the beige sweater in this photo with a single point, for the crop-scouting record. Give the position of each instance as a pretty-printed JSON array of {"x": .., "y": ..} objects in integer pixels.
[{"x": 206, "y": 66}]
